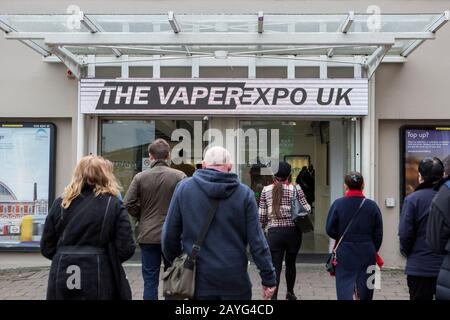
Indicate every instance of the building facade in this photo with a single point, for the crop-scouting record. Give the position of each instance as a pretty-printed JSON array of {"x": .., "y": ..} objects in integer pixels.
[{"x": 402, "y": 90}]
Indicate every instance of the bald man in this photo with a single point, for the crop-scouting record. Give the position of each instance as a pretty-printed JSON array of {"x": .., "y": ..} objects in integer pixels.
[{"x": 222, "y": 260}]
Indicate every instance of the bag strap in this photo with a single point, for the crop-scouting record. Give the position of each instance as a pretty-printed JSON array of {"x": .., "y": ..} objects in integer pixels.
[
  {"x": 201, "y": 237},
  {"x": 62, "y": 222},
  {"x": 349, "y": 224},
  {"x": 105, "y": 215}
]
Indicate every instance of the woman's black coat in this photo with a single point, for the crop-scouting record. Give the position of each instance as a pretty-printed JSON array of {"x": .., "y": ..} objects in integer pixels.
[
  {"x": 87, "y": 244},
  {"x": 438, "y": 237}
]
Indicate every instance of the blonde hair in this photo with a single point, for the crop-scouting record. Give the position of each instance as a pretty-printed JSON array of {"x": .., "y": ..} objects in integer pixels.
[{"x": 95, "y": 171}]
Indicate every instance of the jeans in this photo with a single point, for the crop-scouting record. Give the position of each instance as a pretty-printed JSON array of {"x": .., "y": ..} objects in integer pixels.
[{"x": 151, "y": 265}]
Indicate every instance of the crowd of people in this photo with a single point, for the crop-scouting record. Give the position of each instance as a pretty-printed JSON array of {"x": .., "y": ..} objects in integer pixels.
[{"x": 88, "y": 234}]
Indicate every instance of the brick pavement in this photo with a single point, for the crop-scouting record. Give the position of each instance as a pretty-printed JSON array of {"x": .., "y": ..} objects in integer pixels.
[{"x": 312, "y": 283}]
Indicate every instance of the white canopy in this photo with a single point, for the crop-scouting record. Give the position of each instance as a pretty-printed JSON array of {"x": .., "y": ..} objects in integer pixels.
[{"x": 344, "y": 39}]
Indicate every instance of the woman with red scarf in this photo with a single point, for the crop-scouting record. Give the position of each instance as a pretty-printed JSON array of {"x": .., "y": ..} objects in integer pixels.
[
  {"x": 356, "y": 251},
  {"x": 283, "y": 236}
]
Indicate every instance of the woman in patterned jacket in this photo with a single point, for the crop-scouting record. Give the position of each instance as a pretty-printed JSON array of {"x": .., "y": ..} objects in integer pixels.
[{"x": 283, "y": 236}]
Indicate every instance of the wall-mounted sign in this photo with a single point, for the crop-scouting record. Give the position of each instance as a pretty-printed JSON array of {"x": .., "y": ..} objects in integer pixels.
[
  {"x": 334, "y": 97},
  {"x": 417, "y": 143},
  {"x": 26, "y": 181}
]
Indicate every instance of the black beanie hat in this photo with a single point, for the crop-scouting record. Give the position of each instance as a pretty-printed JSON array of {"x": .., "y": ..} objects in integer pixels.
[{"x": 284, "y": 170}]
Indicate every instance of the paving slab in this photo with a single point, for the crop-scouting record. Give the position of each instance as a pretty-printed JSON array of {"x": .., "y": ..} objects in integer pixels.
[{"x": 312, "y": 283}]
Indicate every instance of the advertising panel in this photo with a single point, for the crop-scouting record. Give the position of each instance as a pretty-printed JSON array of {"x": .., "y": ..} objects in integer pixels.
[
  {"x": 417, "y": 143},
  {"x": 26, "y": 181}
]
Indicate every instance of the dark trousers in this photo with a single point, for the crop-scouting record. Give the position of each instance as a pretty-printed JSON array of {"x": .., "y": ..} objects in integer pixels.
[
  {"x": 285, "y": 243},
  {"x": 151, "y": 255},
  {"x": 245, "y": 296},
  {"x": 421, "y": 288}
]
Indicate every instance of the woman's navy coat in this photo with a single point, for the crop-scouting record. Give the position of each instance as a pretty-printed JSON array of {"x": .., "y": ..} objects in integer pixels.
[{"x": 358, "y": 249}]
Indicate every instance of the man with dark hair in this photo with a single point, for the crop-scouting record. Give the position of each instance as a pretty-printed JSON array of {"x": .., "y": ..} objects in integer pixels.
[
  {"x": 422, "y": 265},
  {"x": 159, "y": 149},
  {"x": 148, "y": 200},
  {"x": 438, "y": 232}
]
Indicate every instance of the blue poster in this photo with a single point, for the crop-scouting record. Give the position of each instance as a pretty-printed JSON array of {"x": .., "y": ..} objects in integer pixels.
[{"x": 420, "y": 143}]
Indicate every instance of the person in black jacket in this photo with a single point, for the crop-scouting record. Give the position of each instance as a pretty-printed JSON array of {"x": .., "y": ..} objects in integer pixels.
[
  {"x": 422, "y": 265},
  {"x": 87, "y": 235},
  {"x": 438, "y": 232},
  {"x": 306, "y": 181}
]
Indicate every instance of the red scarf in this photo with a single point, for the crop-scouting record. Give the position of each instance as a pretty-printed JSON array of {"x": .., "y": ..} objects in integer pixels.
[{"x": 354, "y": 193}]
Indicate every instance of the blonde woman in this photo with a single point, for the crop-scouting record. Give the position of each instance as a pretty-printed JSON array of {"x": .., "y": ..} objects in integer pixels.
[{"x": 87, "y": 235}]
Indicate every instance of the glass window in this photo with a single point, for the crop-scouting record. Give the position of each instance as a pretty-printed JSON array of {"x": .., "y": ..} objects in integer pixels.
[
  {"x": 296, "y": 140},
  {"x": 125, "y": 143}
]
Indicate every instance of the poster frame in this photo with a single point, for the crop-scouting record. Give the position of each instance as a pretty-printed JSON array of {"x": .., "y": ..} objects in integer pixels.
[
  {"x": 402, "y": 158},
  {"x": 52, "y": 155}
]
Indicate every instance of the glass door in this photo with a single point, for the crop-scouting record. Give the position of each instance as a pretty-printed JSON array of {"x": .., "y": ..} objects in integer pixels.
[{"x": 303, "y": 144}]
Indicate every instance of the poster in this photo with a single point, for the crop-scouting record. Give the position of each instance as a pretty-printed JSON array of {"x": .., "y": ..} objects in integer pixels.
[
  {"x": 419, "y": 142},
  {"x": 26, "y": 181}
]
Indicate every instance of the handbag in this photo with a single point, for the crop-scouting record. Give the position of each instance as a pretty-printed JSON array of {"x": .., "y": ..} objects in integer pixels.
[
  {"x": 331, "y": 263},
  {"x": 179, "y": 278},
  {"x": 300, "y": 215},
  {"x": 123, "y": 289}
]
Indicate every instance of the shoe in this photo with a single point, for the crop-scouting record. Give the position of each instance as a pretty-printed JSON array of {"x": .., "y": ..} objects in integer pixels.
[{"x": 290, "y": 296}]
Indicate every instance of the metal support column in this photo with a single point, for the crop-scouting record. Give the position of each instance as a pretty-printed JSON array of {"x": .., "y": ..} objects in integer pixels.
[
  {"x": 368, "y": 144},
  {"x": 81, "y": 138}
]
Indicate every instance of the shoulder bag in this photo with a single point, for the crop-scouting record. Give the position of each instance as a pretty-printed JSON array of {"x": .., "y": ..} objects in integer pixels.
[
  {"x": 179, "y": 279},
  {"x": 300, "y": 215},
  {"x": 332, "y": 260}
]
